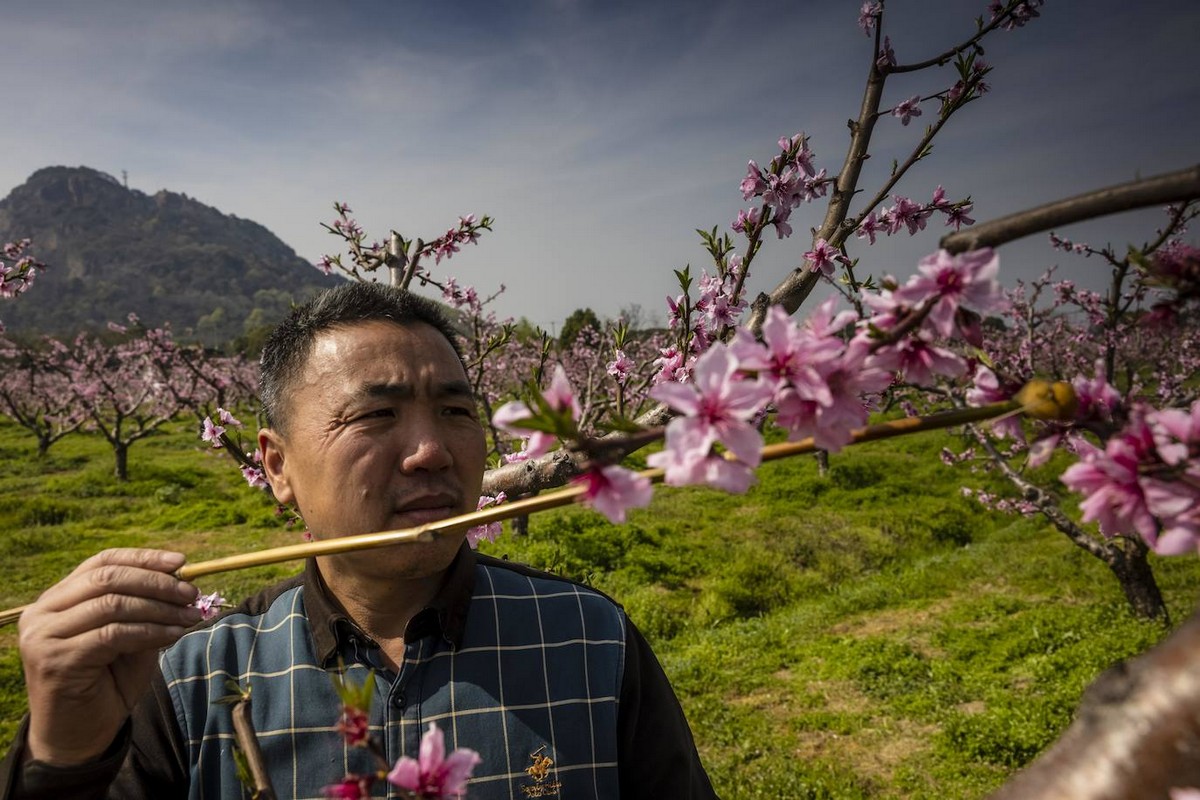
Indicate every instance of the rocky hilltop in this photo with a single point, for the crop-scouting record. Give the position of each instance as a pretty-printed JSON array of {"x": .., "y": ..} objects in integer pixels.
[{"x": 166, "y": 257}]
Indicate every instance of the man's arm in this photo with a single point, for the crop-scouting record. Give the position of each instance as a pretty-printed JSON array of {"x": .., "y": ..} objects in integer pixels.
[
  {"x": 655, "y": 749},
  {"x": 148, "y": 761}
]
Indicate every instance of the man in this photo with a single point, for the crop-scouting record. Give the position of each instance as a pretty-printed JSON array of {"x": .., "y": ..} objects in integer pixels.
[{"x": 371, "y": 426}]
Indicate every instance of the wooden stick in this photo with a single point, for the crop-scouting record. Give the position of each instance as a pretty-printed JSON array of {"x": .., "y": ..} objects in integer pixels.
[{"x": 562, "y": 497}]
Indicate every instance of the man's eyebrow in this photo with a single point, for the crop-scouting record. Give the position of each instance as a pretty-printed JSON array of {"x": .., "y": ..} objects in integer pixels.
[{"x": 404, "y": 391}]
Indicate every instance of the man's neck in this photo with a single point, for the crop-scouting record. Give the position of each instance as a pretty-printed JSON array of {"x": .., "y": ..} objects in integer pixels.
[{"x": 382, "y": 608}]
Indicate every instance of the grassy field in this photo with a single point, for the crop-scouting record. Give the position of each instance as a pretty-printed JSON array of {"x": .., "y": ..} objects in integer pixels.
[{"x": 867, "y": 633}]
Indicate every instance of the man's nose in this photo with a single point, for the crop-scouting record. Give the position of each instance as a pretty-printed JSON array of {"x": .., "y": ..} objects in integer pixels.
[{"x": 426, "y": 449}]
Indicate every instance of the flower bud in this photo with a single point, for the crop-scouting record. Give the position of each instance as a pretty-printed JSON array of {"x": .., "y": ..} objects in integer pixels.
[{"x": 1042, "y": 399}]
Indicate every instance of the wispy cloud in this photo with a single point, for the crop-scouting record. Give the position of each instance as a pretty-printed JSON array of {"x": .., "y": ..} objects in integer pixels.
[{"x": 599, "y": 134}]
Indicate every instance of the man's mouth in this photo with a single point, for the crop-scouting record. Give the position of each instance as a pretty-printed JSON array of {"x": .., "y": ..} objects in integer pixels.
[{"x": 429, "y": 508}]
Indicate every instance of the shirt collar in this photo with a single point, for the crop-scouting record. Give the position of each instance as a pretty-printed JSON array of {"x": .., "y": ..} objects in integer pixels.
[{"x": 445, "y": 615}]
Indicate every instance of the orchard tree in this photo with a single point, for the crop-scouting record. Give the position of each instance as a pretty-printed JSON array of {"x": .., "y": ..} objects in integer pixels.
[
  {"x": 579, "y": 321},
  {"x": 1136, "y": 344},
  {"x": 36, "y": 393}
]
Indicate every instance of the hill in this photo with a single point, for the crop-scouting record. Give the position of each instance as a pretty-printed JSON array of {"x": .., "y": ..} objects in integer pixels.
[{"x": 166, "y": 257}]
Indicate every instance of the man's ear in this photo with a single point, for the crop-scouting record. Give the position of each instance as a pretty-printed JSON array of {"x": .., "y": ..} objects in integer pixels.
[{"x": 271, "y": 443}]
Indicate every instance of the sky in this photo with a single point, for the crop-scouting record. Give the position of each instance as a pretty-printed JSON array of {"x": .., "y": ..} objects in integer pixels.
[{"x": 599, "y": 135}]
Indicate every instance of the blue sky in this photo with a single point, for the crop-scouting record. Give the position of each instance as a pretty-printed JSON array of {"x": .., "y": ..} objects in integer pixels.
[{"x": 598, "y": 134}]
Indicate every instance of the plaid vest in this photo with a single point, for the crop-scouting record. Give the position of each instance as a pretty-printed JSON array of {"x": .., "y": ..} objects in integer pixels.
[{"x": 533, "y": 687}]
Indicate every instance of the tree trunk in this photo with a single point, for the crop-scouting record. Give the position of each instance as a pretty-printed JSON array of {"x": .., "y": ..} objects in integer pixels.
[
  {"x": 43, "y": 446},
  {"x": 121, "y": 456},
  {"x": 1132, "y": 570}
]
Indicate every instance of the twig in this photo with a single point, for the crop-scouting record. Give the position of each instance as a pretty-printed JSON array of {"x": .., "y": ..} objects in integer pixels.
[{"x": 247, "y": 739}]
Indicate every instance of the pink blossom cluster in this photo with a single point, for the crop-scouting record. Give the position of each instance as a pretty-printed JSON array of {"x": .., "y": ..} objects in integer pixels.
[
  {"x": 1174, "y": 273},
  {"x": 433, "y": 775},
  {"x": 18, "y": 270},
  {"x": 1005, "y": 505},
  {"x": 1145, "y": 480},
  {"x": 17, "y": 276},
  {"x": 697, "y": 324},
  {"x": 466, "y": 232},
  {"x": 1022, "y": 11},
  {"x": 1134, "y": 461},
  {"x": 818, "y": 377},
  {"x": 369, "y": 257},
  {"x": 906, "y": 214},
  {"x": 790, "y": 180}
]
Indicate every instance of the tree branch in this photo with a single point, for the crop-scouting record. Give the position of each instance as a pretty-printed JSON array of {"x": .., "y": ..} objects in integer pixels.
[{"x": 1172, "y": 187}]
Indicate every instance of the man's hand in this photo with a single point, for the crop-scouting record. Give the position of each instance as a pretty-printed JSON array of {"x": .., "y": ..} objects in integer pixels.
[{"x": 89, "y": 648}]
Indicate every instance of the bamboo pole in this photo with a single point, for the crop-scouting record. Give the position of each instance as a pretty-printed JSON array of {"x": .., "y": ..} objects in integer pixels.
[{"x": 563, "y": 497}]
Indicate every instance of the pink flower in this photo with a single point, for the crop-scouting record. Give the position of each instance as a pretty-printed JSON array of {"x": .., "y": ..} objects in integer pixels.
[
  {"x": 987, "y": 390},
  {"x": 209, "y": 604},
  {"x": 621, "y": 367},
  {"x": 822, "y": 257},
  {"x": 434, "y": 774},
  {"x": 255, "y": 477},
  {"x": 788, "y": 354},
  {"x": 949, "y": 281},
  {"x": 869, "y": 227},
  {"x": 918, "y": 360},
  {"x": 753, "y": 184},
  {"x": 847, "y": 379},
  {"x": 908, "y": 109},
  {"x": 352, "y": 787},
  {"x": 558, "y": 396},
  {"x": 716, "y": 407},
  {"x": 868, "y": 14},
  {"x": 747, "y": 220},
  {"x": 212, "y": 433},
  {"x": 1097, "y": 398},
  {"x": 491, "y": 530},
  {"x": 354, "y": 726},
  {"x": 1109, "y": 480},
  {"x": 228, "y": 419},
  {"x": 613, "y": 489},
  {"x": 887, "y": 56},
  {"x": 957, "y": 216}
]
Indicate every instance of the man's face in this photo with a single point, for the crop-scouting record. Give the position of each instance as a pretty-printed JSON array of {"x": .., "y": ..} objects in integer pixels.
[{"x": 382, "y": 433}]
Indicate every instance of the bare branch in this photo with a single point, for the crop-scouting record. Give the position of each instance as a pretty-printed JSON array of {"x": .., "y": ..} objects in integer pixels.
[{"x": 1172, "y": 187}]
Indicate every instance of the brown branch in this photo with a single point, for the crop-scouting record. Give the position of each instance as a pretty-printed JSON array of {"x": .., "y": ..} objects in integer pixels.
[
  {"x": 1172, "y": 187},
  {"x": 247, "y": 739},
  {"x": 795, "y": 288},
  {"x": 1036, "y": 495},
  {"x": 1136, "y": 735},
  {"x": 556, "y": 468}
]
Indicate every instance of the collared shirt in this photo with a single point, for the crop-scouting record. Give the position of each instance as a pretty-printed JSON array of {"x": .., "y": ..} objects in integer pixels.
[{"x": 545, "y": 678}]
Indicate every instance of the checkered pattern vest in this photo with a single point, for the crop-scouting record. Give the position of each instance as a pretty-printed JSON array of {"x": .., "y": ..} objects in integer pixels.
[{"x": 533, "y": 688}]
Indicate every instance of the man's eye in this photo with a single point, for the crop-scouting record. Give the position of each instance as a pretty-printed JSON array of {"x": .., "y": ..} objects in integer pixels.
[
  {"x": 378, "y": 413},
  {"x": 459, "y": 411}
]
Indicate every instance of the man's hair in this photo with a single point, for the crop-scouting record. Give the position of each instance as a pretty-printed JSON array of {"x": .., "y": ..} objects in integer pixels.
[{"x": 286, "y": 351}]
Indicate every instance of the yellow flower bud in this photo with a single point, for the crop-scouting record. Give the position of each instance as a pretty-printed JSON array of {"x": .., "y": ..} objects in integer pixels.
[{"x": 1042, "y": 399}]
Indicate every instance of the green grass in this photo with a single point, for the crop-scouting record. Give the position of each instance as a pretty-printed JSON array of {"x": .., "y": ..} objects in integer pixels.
[{"x": 867, "y": 633}]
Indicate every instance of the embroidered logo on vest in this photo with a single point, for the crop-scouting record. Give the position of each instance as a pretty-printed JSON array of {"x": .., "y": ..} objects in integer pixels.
[{"x": 545, "y": 784}]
